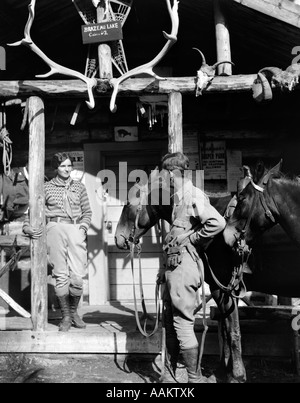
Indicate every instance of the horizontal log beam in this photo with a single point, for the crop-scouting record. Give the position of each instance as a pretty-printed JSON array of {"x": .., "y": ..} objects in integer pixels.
[
  {"x": 14, "y": 240},
  {"x": 273, "y": 342},
  {"x": 132, "y": 86}
]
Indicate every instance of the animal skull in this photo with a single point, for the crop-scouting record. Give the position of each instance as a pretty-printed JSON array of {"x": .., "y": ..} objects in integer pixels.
[
  {"x": 289, "y": 78},
  {"x": 269, "y": 77},
  {"x": 206, "y": 74}
]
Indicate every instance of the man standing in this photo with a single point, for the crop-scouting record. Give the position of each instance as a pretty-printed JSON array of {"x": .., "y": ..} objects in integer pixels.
[
  {"x": 195, "y": 222},
  {"x": 68, "y": 217}
]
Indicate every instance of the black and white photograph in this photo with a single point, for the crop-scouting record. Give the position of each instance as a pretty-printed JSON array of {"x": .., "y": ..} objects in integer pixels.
[{"x": 150, "y": 194}]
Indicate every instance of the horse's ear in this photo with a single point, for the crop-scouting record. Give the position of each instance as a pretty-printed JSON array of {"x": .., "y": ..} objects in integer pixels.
[
  {"x": 259, "y": 171},
  {"x": 247, "y": 171},
  {"x": 275, "y": 170}
]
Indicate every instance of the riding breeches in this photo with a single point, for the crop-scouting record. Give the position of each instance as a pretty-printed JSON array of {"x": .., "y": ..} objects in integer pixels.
[
  {"x": 180, "y": 300},
  {"x": 67, "y": 255}
]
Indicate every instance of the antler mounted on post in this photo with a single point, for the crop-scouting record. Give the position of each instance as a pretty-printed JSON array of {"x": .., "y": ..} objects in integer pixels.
[
  {"x": 148, "y": 67},
  {"x": 206, "y": 73},
  {"x": 54, "y": 67}
]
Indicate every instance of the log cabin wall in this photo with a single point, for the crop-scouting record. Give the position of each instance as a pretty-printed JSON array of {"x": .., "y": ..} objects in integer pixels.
[{"x": 268, "y": 132}]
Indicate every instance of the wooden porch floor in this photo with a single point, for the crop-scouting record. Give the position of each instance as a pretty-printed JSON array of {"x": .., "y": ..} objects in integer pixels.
[{"x": 111, "y": 329}]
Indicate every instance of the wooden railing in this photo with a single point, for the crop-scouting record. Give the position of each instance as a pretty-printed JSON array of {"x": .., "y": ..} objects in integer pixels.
[{"x": 38, "y": 249}]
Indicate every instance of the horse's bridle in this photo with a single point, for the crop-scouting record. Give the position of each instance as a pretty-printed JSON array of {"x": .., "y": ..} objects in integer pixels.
[
  {"x": 260, "y": 191},
  {"x": 134, "y": 245},
  {"x": 242, "y": 249}
]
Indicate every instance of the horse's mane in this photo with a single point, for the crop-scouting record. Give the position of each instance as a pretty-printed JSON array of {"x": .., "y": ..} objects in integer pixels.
[
  {"x": 280, "y": 175},
  {"x": 217, "y": 195},
  {"x": 287, "y": 178}
]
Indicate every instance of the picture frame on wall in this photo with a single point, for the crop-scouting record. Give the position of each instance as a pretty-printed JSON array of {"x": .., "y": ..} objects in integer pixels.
[{"x": 126, "y": 133}]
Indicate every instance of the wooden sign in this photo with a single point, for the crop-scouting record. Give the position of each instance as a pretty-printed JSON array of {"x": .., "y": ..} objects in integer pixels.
[
  {"x": 214, "y": 159},
  {"x": 102, "y": 32}
]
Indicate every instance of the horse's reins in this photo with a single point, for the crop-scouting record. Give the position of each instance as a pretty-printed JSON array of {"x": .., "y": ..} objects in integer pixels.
[
  {"x": 236, "y": 283},
  {"x": 135, "y": 245}
]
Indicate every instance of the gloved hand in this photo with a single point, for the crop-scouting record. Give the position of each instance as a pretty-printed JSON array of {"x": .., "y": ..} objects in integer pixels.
[{"x": 181, "y": 240}]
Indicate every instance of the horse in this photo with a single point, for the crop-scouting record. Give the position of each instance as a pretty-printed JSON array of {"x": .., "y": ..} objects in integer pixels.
[
  {"x": 138, "y": 217},
  {"x": 268, "y": 201}
]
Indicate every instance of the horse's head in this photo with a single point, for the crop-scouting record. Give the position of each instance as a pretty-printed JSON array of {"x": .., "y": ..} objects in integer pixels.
[
  {"x": 145, "y": 207},
  {"x": 251, "y": 216}
]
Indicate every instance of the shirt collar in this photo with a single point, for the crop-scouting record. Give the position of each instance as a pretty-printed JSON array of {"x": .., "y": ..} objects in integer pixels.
[
  {"x": 186, "y": 188},
  {"x": 60, "y": 182}
]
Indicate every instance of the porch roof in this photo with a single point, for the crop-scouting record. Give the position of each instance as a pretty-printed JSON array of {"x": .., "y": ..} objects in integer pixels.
[{"x": 263, "y": 33}]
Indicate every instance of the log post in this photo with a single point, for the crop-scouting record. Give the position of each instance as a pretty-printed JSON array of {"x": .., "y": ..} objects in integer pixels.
[
  {"x": 175, "y": 123},
  {"x": 4, "y": 282},
  {"x": 104, "y": 50},
  {"x": 38, "y": 250},
  {"x": 222, "y": 39}
]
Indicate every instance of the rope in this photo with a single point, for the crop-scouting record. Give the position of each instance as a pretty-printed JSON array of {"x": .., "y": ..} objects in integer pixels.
[
  {"x": 7, "y": 150},
  {"x": 6, "y": 142},
  {"x": 204, "y": 321}
]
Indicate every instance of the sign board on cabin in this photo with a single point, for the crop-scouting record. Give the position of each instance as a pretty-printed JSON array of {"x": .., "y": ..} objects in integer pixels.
[
  {"x": 213, "y": 155},
  {"x": 234, "y": 169},
  {"x": 102, "y": 32}
]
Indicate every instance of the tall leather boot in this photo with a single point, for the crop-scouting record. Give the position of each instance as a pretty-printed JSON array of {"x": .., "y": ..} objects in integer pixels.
[
  {"x": 64, "y": 304},
  {"x": 191, "y": 357},
  {"x": 169, "y": 371},
  {"x": 76, "y": 320}
]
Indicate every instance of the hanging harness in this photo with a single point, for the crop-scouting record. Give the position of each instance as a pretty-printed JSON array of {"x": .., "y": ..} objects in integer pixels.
[{"x": 5, "y": 142}]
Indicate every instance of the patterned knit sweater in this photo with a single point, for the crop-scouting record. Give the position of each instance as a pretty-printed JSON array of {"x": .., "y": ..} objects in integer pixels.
[{"x": 55, "y": 190}]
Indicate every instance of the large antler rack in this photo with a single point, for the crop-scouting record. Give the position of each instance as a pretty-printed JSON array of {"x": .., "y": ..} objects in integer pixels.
[
  {"x": 54, "y": 67},
  {"x": 148, "y": 67}
]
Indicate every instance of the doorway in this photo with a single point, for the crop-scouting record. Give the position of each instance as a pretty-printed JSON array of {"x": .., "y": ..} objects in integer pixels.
[{"x": 109, "y": 271}]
